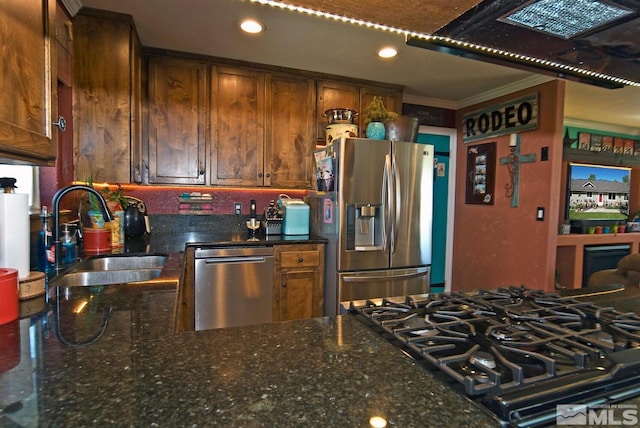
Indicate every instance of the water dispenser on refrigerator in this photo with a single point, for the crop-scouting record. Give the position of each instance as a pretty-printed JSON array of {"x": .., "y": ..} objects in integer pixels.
[{"x": 364, "y": 227}]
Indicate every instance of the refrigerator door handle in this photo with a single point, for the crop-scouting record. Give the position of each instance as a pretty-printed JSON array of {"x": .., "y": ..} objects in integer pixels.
[
  {"x": 386, "y": 201},
  {"x": 396, "y": 200},
  {"x": 369, "y": 278}
]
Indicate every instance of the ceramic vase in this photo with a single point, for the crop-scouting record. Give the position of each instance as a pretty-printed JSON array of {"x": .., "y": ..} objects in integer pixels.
[{"x": 375, "y": 130}]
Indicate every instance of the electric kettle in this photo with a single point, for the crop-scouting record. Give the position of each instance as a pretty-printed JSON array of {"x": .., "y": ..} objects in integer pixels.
[{"x": 136, "y": 221}]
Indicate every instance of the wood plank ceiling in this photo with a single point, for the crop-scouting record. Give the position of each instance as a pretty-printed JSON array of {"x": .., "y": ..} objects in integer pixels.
[{"x": 412, "y": 15}]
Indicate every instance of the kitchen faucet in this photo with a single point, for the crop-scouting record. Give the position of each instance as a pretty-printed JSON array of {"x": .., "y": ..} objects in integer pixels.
[{"x": 56, "y": 215}]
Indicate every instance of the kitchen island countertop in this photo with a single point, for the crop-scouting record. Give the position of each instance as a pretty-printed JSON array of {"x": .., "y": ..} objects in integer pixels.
[
  {"x": 330, "y": 371},
  {"x": 318, "y": 372}
]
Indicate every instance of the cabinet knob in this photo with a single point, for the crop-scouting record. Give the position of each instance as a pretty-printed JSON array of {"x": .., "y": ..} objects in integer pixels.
[
  {"x": 268, "y": 175},
  {"x": 284, "y": 285},
  {"x": 260, "y": 174},
  {"x": 300, "y": 259},
  {"x": 61, "y": 124}
]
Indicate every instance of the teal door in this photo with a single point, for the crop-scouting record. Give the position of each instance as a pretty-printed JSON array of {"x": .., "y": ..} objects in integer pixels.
[{"x": 440, "y": 206}]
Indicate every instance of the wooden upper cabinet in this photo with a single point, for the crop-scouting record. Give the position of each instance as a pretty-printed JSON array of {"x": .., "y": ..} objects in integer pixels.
[
  {"x": 290, "y": 131},
  {"x": 356, "y": 96},
  {"x": 27, "y": 81},
  {"x": 106, "y": 96},
  {"x": 64, "y": 46},
  {"x": 177, "y": 120},
  {"x": 332, "y": 94},
  {"x": 237, "y": 127}
]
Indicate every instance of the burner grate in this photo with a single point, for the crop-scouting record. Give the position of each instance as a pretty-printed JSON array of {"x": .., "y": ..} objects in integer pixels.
[{"x": 514, "y": 349}]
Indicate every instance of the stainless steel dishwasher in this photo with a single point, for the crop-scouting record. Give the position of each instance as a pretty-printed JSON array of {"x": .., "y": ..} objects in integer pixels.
[{"x": 233, "y": 286}]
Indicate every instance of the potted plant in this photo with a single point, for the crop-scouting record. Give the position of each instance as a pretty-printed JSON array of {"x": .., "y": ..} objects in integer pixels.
[
  {"x": 117, "y": 203},
  {"x": 94, "y": 216},
  {"x": 115, "y": 198},
  {"x": 375, "y": 115}
]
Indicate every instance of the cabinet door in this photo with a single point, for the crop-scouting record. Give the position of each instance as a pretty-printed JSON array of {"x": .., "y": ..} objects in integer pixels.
[
  {"x": 334, "y": 95},
  {"x": 64, "y": 48},
  {"x": 27, "y": 82},
  {"x": 177, "y": 121},
  {"x": 237, "y": 126},
  {"x": 290, "y": 136},
  {"x": 102, "y": 100},
  {"x": 138, "y": 173},
  {"x": 298, "y": 281},
  {"x": 296, "y": 295}
]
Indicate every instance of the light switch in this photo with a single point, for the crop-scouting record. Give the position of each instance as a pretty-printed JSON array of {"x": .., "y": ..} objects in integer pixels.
[{"x": 540, "y": 213}]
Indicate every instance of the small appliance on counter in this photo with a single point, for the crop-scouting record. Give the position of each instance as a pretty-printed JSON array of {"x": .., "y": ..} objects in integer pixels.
[
  {"x": 296, "y": 216},
  {"x": 136, "y": 220},
  {"x": 272, "y": 224}
]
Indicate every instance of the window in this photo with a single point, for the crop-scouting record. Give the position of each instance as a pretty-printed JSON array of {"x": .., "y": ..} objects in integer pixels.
[{"x": 26, "y": 181}]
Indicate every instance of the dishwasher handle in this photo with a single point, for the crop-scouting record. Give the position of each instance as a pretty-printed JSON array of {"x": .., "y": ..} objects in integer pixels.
[
  {"x": 227, "y": 260},
  {"x": 212, "y": 252}
]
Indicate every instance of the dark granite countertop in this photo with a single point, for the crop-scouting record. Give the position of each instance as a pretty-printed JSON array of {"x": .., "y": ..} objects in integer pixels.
[
  {"x": 175, "y": 242},
  {"x": 119, "y": 361},
  {"x": 318, "y": 372}
]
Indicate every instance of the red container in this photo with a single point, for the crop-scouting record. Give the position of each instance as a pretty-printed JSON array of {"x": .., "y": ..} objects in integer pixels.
[
  {"x": 96, "y": 241},
  {"x": 9, "y": 299}
]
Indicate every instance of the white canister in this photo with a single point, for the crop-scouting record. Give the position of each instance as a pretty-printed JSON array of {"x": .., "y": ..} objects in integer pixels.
[{"x": 338, "y": 130}]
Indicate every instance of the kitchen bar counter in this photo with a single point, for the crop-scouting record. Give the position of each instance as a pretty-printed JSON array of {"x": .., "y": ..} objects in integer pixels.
[
  {"x": 120, "y": 362},
  {"x": 317, "y": 372}
]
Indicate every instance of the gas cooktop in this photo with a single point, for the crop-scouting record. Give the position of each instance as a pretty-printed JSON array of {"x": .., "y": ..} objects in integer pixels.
[{"x": 518, "y": 353}]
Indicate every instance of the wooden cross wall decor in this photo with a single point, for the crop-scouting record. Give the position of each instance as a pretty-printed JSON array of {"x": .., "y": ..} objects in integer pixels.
[{"x": 513, "y": 162}]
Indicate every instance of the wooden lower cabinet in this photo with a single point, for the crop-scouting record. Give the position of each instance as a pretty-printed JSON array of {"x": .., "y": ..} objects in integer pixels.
[{"x": 298, "y": 281}]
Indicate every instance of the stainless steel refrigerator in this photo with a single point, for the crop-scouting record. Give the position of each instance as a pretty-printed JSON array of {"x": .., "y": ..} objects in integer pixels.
[{"x": 377, "y": 219}]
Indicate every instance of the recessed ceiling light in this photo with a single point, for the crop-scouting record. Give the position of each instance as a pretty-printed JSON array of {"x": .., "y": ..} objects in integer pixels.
[
  {"x": 252, "y": 26},
  {"x": 387, "y": 52}
]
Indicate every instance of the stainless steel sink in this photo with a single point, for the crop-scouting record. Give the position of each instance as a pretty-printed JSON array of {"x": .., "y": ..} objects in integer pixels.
[
  {"x": 104, "y": 277},
  {"x": 122, "y": 262},
  {"x": 112, "y": 269}
]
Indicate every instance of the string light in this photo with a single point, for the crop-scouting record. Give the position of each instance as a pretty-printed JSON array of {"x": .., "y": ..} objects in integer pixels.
[{"x": 451, "y": 42}]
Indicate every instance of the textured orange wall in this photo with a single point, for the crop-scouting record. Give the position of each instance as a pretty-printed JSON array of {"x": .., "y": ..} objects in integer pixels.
[{"x": 500, "y": 245}]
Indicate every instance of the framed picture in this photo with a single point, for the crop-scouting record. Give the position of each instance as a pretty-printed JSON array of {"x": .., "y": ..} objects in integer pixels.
[
  {"x": 584, "y": 140},
  {"x": 481, "y": 174},
  {"x": 596, "y": 143}
]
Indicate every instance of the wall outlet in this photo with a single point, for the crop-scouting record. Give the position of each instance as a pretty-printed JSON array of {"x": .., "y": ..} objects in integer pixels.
[{"x": 237, "y": 208}]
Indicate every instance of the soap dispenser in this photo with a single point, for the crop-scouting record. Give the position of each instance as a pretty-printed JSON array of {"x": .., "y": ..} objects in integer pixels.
[{"x": 46, "y": 249}]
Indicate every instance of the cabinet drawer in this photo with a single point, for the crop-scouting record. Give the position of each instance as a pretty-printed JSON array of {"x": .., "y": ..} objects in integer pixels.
[{"x": 292, "y": 259}]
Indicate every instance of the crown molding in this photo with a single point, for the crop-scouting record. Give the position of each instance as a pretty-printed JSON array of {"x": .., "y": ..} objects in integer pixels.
[{"x": 528, "y": 82}]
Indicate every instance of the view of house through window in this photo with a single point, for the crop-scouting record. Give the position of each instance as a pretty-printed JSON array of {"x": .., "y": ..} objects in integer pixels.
[
  {"x": 598, "y": 192},
  {"x": 26, "y": 181}
]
